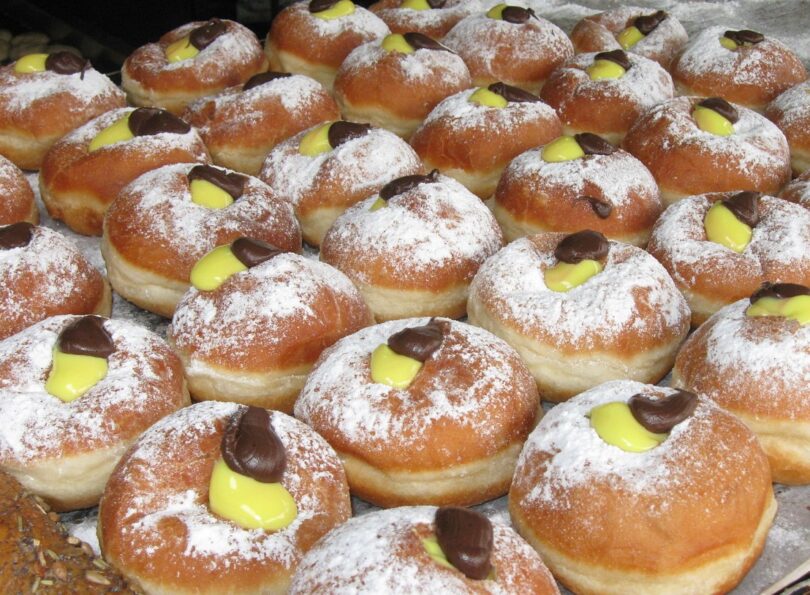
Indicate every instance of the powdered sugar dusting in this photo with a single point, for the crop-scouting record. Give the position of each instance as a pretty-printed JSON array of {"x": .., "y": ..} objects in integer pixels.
[
  {"x": 362, "y": 22},
  {"x": 799, "y": 190},
  {"x": 421, "y": 65}
]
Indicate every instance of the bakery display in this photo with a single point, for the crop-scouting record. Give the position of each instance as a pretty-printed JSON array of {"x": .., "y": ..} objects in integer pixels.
[
  {"x": 471, "y": 136},
  {"x": 43, "y": 274},
  {"x": 256, "y": 319},
  {"x": 574, "y": 183},
  {"x": 167, "y": 219},
  {"x": 84, "y": 171},
  {"x": 242, "y": 124},
  {"x": 422, "y": 411},
  {"x": 798, "y": 190},
  {"x": 790, "y": 111},
  {"x": 605, "y": 93},
  {"x": 18, "y": 198},
  {"x": 433, "y": 18},
  {"x": 735, "y": 148},
  {"x": 75, "y": 392},
  {"x": 45, "y": 96},
  {"x": 721, "y": 247},
  {"x": 444, "y": 550},
  {"x": 581, "y": 310},
  {"x": 741, "y": 66},
  {"x": 654, "y": 34},
  {"x": 313, "y": 38},
  {"x": 395, "y": 83},
  {"x": 328, "y": 168},
  {"x": 753, "y": 359},
  {"x": 221, "y": 495},
  {"x": 632, "y": 488},
  {"x": 191, "y": 61}
]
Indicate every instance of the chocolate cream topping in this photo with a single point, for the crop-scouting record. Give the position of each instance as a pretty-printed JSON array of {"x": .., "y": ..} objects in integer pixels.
[
  {"x": 513, "y": 94},
  {"x": 16, "y": 235},
  {"x": 419, "y": 342},
  {"x": 779, "y": 291},
  {"x": 517, "y": 14},
  {"x": 405, "y": 183},
  {"x": 436, "y": 3},
  {"x": 145, "y": 121},
  {"x": 418, "y": 41},
  {"x": 321, "y": 5},
  {"x": 342, "y": 131},
  {"x": 205, "y": 35},
  {"x": 617, "y": 57},
  {"x": 465, "y": 537},
  {"x": 593, "y": 144},
  {"x": 601, "y": 207},
  {"x": 231, "y": 182},
  {"x": 647, "y": 23},
  {"x": 262, "y": 78},
  {"x": 722, "y": 107},
  {"x": 661, "y": 415},
  {"x": 86, "y": 336},
  {"x": 745, "y": 206},
  {"x": 744, "y": 36},
  {"x": 251, "y": 447},
  {"x": 252, "y": 252},
  {"x": 66, "y": 63},
  {"x": 582, "y": 245}
]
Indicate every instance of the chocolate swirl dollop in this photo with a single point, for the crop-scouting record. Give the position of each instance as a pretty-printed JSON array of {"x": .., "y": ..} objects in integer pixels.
[
  {"x": 16, "y": 235},
  {"x": 466, "y": 539},
  {"x": 419, "y": 342},
  {"x": 264, "y": 77},
  {"x": 582, "y": 245},
  {"x": 619, "y": 57},
  {"x": 593, "y": 144},
  {"x": 419, "y": 41},
  {"x": 745, "y": 206},
  {"x": 647, "y": 23},
  {"x": 780, "y": 291},
  {"x": 436, "y": 3},
  {"x": 251, "y": 252},
  {"x": 405, "y": 183},
  {"x": 341, "y": 132},
  {"x": 513, "y": 94},
  {"x": 251, "y": 447},
  {"x": 86, "y": 336},
  {"x": 517, "y": 14},
  {"x": 66, "y": 63},
  {"x": 146, "y": 121},
  {"x": 661, "y": 415},
  {"x": 231, "y": 182},
  {"x": 203, "y": 36},
  {"x": 745, "y": 36},
  {"x": 321, "y": 5},
  {"x": 722, "y": 107},
  {"x": 600, "y": 206}
]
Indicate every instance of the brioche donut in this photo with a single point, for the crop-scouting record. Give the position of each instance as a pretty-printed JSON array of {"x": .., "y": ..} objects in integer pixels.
[
  {"x": 510, "y": 44},
  {"x": 413, "y": 249},
  {"x": 157, "y": 527},
  {"x": 607, "y": 190},
  {"x": 756, "y": 367},
  {"x": 242, "y": 124},
  {"x": 686, "y": 159},
  {"x": 433, "y": 18},
  {"x": 355, "y": 161},
  {"x": 38, "y": 107},
  {"x": 80, "y": 176},
  {"x": 156, "y": 230},
  {"x": 254, "y": 338},
  {"x": 472, "y": 141},
  {"x": 385, "y": 552},
  {"x": 626, "y": 321},
  {"x": 306, "y": 37},
  {"x": 191, "y": 61},
  {"x": 661, "y": 34},
  {"x": 449, "y": 435},
  {"x": 710, "y": 274},
  {"x": 742, "y": 67},
  {"x": 18, "y": 202},
  {"x": 689, "y": 515},
  {"x": 798, "y": 190},
  {"x": 64, "y": 450},
  {"x": 43, "y": 274},
  {"x": 790, "y": 111},
  {"x": 395, "y": 86},
  {"x": 590, "y": 98}
]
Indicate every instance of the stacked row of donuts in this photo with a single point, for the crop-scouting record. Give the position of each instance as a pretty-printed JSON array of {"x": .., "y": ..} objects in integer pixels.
[{"x": 421, "y": 409}]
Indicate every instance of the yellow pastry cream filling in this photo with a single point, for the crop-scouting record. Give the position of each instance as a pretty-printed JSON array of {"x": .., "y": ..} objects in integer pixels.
[
  {"x": 796, "y": 308},
  {"x": 397, "y": 362},
  {"x": 396, "y": 42},
  {"x": 209, "y": 195},
  {"x": 416, "y": 5},
  {"x": 565, "y": 276},
  {"x": 377, "y": 205},
  {"x": 339, "y": 9},
  {"x": 73, "y": 375},
  {"x": 615, "y": 424},
  {"x": 213, "y": 269},
  {"x": 710, "y": 121},
  {"x": 487, "y": 98},
  {"x": 496, "y": 12},
  {"x": 563, "y": 148},
  {"x": 724, "y": 228},
  {"x": 605, "y": 69},
  {"x": 629, "y": 37},
  {"x": 316, "y": 141},
  {"x": 393, "y": 369},
  {"x": 30, "y": 63},
  {"x": 180, "y": 50},
  {"x": 114, "y": 133}
]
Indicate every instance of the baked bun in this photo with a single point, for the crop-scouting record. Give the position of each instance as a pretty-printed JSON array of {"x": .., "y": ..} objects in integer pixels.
[
  {"x": 661, "y": 34},
  {"x": 606, "y": 93},
  {"x": 242, "y": 124},
  {"x": 688, "y": 515},
  {"x": 159, "y": 227},
  {"x": 625, "y": 321},
  {"x": 83, "y": 173},
  {"x": 449, "y": 434},
  {"x": 355, "y": 162},
  {"x": 433, "y": 18},
  {"x": 743, "y": 67},
  {"x": 157, "y": 526},
  {"x": 383, "y": 85},
  {"x": 710, "y": 274},
  {"x": 43, "y": 274},
  {"x": 306, "y": 38},
  {"x": 63, "y": 429},
  {"x": 472, "y": 141},
  {"x": 18, "y": 202},
  {"x": 606, "y": 189},
  {"x": 191, "y": 61},
  {"x": 255, "y": 336},
  {"x": 413, "y": 249},
  {"x": 798, "y": 190},
  {"x": 756, "y": 367},
  {"x": 39, "y": 107},
  {"x": 790, "y": 111},
  {"x": 510, "y": 44},
  {"x": 385, "y": 552},
  {"x": 686, "y": 160}
]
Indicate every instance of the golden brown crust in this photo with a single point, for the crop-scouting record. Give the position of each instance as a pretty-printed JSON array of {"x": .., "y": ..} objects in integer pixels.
[
  {"x": 790, "y": 111},
  {"x": 17, "y": 203},
  {"x": 798, "y": 190}
]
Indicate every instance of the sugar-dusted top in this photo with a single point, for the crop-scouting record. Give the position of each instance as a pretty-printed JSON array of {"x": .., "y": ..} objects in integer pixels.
[
  {"x": 791, "y": 112},
  {"x": 798, "y": 190},
  {"x": 420, "y": 67},
  {"x": 362, "y": 22}
]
